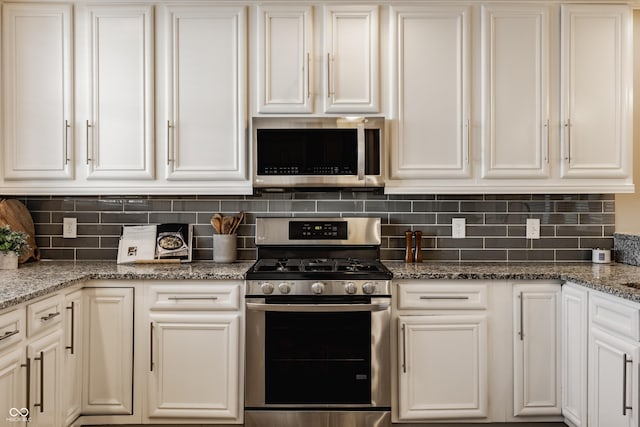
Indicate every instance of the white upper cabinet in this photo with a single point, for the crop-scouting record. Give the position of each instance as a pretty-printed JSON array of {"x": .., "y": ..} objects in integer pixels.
[
  {"x": 327, "y": 61},
  {"x": 596, "y": 91},
  {"x": 205, "y": 100},
  {"x": 117, "y": 83},
  {"x": 285, "y": 50},
  {"x": 37, "y": 91},
  {"x": 515, "y": 93},
  {"x": 431, "y": 92},
  {"x": 351, "y": 50}
]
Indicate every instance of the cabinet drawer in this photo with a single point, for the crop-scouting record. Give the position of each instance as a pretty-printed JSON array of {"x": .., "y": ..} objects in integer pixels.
[
  {"x": 43, "y": 314},
  {"x": 442, "y": 295},
  {"x": 196, "y": 296},
  {"x": 11, "y": 327},
  {"x": 615, "y": 315}
]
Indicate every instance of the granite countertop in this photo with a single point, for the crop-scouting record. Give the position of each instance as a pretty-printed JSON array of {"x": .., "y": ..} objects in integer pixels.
[{"x": 35, "y": 279}]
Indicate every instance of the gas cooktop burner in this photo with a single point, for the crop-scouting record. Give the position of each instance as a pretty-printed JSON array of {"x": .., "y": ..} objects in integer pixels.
[{"x": 317, "y": 265}]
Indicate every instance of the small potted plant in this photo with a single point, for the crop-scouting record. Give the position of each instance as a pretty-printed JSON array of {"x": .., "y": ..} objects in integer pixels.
[{"x": 12, "y": 245}]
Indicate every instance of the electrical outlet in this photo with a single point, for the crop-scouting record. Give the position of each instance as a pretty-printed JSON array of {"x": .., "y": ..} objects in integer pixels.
[
  {"x": 458, "y": 228},
  {"x": 533, "y": 228},
  {"x": 69, "y": 228}
]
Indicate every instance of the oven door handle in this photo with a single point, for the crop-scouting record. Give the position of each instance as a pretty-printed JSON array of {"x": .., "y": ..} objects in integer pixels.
[{"x": 316, "y": 308}]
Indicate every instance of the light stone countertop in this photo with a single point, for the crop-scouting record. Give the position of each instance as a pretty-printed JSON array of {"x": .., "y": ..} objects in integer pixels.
[{"x": 35, "y": 279}]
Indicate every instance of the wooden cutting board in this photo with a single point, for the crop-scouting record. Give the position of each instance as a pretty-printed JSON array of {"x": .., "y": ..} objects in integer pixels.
[{"x": 16, "y": 215}]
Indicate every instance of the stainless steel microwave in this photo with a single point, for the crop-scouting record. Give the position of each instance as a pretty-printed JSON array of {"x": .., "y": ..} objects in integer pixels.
[{"x": 318, "y": 152}]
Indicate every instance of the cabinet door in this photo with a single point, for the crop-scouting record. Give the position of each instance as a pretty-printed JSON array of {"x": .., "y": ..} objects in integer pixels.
[
  {"x": 515, "y": 69},
  {"x": 443, "y": 367},
  {"x": 596, "y": 91},
  {"x": 118, "y": 61},
  {"x": 72, "y": 371},
  {"x": 536, "y": 349},
  {"x": 208, "y": 384},
  {"x": 206, "y": 93},
  {"x": 13, "y": 379},
  {"x": 108, "y": 351},
  {"x": 284, "y": 59},
  {"x": 37, "y": 90},
  {"x": 45, "y": 355},
  {"x": 613, "y": 380},
  {"x": 575, "y": 311},
  {"x": 351, "y": 50},
  {"x": 431, "y": 83}
]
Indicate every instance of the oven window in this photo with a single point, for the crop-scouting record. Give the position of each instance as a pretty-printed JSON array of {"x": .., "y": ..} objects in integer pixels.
[{"x": 318, "y": 358}]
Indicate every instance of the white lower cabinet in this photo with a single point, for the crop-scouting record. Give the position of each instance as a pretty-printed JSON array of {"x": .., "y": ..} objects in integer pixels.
[
  {"x": 107, "y": 375},
  {"x": 44, "y": 354},
  {"x": 575, "y": 330},
  {"x": 13, "y": 366},
  {"x": 72, "y": 360},
  {"x": 195, "y": 352},
  {"x": 536, "y": 349},
  {"x": 477, "y": 351},
  {"x": 443, "y": 373},
  {"x": 442, "y": 350},
  {"x": 613, "y": 361}
]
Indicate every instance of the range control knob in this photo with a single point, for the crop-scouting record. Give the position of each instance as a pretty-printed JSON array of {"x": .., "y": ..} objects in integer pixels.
[
  {"x": 266, "y": 288},
  {"x": 284, "y": 288},
  {"x": 368, "y": 288},
  {"x": 350, "y": 288},
  {"x": 317, "y": 288}
]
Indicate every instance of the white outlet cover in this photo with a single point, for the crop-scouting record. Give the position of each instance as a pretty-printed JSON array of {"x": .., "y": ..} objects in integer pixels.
[
  {"x": 69, "y": 228},
  {"x": 533, "y": 228},
  {"x": 458, "y": 228}
]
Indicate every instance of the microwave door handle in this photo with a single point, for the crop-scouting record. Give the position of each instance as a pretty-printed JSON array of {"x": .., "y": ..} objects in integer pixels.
[{"x": 361, "y": 152}]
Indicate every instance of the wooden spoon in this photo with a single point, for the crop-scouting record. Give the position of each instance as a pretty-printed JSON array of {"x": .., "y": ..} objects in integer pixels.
[
  {"x": 216, "y": 223},
  {"x": 237, "y": 222},
  {"x": 227, "y": 223}
]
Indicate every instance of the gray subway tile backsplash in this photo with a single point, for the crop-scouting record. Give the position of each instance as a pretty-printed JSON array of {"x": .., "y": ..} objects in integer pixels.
[{"x": 571, "y": 224}]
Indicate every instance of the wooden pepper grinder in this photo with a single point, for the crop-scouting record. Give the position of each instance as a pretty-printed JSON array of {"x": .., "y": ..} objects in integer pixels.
[
  {"x": 418, "y": 238},
  {"x": 408, "y": 253}
]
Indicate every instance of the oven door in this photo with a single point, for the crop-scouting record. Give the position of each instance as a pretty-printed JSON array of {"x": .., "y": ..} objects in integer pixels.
[{"x": 308, "y": 354}]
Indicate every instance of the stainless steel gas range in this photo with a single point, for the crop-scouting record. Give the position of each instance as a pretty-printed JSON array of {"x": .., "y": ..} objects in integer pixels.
[{"x": 318, "y": 304}]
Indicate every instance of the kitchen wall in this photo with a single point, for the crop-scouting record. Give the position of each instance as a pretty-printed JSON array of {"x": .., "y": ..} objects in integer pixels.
[{"x": 570, "y": 224}]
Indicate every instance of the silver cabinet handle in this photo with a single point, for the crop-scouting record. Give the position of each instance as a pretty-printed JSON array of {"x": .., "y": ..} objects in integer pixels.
[
  {"x": 316, "y": 308},
  {"x": 329, "y": 80},
  {"x": 169, "y": 127},
  {"x": 568, "y": 127},
  {"x": 445, "y": 297},
  {"x": 73, "y": 322},
  {"x": 192, "y": 298},
  {"x": 88, "y": 126},
  {"x": 50, "y": 316},
  {"x": 66, "y": 142},
  {"x": 41, "y": 360},
  {"x": 625, "y": 407},
  {"x": 27, "y": 365},
  {"x": 404, "y": 348},
  {"x": 9, "y": 334},
  {"x": 468, "y": 141},
  {"x": 546, "y": 125},
  {"x": 151, "y": 346},
  {"x": 521, "y": 333},
  {"x": 308, "y": 75}
]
